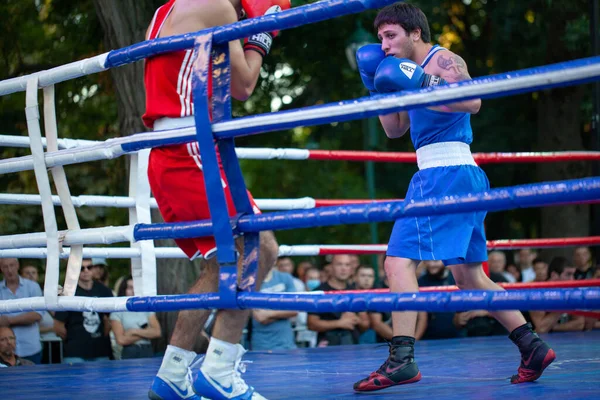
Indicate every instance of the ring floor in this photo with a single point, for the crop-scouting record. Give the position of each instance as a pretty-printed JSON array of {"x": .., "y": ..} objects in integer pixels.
[{"x": 469, "y": 368}]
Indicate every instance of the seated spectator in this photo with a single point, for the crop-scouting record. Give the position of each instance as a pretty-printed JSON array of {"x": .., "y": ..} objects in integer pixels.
[
  {"x": 524, "y": 260},
  {"x": 272, "y": 329},
  {"x": 381, "y": 321},
  {"x": 312, "y": 278},
  {"x": 513, "y": 270},
  {"x": 497, "y": 265},
  {"x": 100, "y": 271},
  {"x": 338, "y": 328},
  {"x": 540, "y": 267},
  {"x": 285, "y": 264},
  {"x": 8, "y": 345},
  {"x": 559, "y": 269},
  {"x": 593, "y": 323},
  {"x": 439, "y": 324},
  {"x": 302, "y": 267},
  {"x": 24, "y": 324},
  {"x": 86, "y": 334},
  {"x": 582, "y": 260},
  {"x": 364, "y": 277},
  {"x": 134, "y": 330},
  {"x": 30, "y": 272},
  {"x": 480, "y": 322}
]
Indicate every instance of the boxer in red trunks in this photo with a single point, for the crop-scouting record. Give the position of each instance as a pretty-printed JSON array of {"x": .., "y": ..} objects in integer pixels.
[{"x": 177, "y": 182}]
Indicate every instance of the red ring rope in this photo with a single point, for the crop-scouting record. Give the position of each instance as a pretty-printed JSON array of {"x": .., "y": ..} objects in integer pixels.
[{"x": 480, "y": 158}]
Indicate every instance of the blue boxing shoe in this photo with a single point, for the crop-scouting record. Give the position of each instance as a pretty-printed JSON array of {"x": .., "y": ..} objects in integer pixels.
[
  {"x": 220, "y": 378},
  {"x": 173, "y": 380}
]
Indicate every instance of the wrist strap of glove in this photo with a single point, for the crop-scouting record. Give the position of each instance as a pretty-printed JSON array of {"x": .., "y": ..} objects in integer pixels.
[
  {"x": 433, "y": 80},
  {"x": 260, "y": 42}
]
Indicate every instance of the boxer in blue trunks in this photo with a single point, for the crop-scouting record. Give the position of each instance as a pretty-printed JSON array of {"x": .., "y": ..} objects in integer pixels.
[{"x": 441, "y": 135}]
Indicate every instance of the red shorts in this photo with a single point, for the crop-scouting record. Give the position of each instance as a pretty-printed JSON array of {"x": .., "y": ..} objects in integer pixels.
[{"x": 177, "y": 182}]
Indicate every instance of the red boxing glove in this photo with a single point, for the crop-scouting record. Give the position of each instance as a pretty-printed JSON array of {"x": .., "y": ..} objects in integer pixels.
[{"x": 261, "y": 42}]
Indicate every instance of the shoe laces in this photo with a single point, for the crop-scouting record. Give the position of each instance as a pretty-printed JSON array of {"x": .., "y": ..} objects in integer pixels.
[
  {"x": 238, "y": 369},
  {"x": 195, "y": 364}
]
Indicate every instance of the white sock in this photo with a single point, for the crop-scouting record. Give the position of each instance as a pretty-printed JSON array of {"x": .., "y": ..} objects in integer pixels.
[
  {"x": 176, "y": 362},
  {"x": 220, "y": 354}
]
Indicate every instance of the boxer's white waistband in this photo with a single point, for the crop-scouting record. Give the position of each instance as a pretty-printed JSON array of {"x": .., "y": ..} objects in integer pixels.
[
  {"x": 163, "y": 124},
  {"x": 445, "y": 154}
]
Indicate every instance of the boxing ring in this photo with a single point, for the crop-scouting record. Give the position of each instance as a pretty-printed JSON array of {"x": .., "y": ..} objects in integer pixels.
[{"x": 475, "y": 367}]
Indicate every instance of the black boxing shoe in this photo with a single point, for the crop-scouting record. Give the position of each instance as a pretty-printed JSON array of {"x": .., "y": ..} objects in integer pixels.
[
  {"x": 536, "y": 355},
  {"x": 399, "y": 369}
]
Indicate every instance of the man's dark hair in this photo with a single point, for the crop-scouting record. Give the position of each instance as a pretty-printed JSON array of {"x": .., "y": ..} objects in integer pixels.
[
  {"x": 407, "y": 16},
  {"x": 537, "y": 260},
  {"x": 557, "y": 265}
]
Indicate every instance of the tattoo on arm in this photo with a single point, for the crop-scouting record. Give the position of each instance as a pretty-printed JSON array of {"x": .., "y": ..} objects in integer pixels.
[{"x": 455, "y": 66}]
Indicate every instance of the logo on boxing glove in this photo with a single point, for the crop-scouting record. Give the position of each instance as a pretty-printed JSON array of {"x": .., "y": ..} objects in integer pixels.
[
  {"x": 273, "y": 9},
  {"x": 408, "y": 69}
]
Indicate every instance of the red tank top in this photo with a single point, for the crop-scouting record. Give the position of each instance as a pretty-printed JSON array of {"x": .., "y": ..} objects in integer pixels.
[{"x": 168, "y": 77}]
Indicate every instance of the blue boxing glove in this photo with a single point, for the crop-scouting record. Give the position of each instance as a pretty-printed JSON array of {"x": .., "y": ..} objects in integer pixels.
[
  {"x": 396, "y": 74},
  {"x": 368, "y": 58}
]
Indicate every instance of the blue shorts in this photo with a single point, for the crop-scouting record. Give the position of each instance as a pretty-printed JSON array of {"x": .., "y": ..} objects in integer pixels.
[{"x": 452, "y": 238}]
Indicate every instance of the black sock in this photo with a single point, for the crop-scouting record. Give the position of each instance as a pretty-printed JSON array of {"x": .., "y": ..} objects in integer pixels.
[
  {"x": 403, "y": 341},
  {"x": 524, "y": 337}
]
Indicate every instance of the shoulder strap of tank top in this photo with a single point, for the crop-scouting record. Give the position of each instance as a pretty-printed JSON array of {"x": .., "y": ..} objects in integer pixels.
[
  {"x": 432, "y": 51},
  {"x": 160, "y": 16}
]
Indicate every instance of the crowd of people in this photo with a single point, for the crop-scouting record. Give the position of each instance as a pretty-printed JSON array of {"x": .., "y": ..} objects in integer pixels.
[
  {"x": 91, "y": 336},
  {"x": 85, "y": 335}
]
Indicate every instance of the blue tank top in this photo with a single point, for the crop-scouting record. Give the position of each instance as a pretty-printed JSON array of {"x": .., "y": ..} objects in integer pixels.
[{"x": 429, "y": 126}]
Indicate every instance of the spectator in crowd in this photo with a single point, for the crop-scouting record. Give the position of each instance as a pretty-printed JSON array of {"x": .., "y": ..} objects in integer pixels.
[
  {"x": 302, "y": 267},
  {"x": 354, "y": 264},
  {"x": 100, "y": 271},
  {"x": 46, "y": 324},
  {"x": 513, "y": 270},
  {"x": 134, "y": 330},
  {"x": 364, "y": 277},
  {"x": 559, "y": 269},
  {"x": 381, "y": 322},
  {"x": 24, "y": 324},
  {"x": 30, "y": 272},
  {"x": 8, "y": 345},
  {"x": 285, "y": 264},
  {"x": 480, "y": 322},
  {"x": 540, "y": 267},
  {"x": 272, "y": 329},
  {"x": 86, "y": 334},
  {"x": 582, "y": 259},
  {"x": 312, "y": 278},
  {"x": 525, "y": 263},
  {"x": 497, "y": 265},
  {"x": 439, "y": 324},
  {"x": 338, "y": 328},
  {"x": 593, "y": 323}
]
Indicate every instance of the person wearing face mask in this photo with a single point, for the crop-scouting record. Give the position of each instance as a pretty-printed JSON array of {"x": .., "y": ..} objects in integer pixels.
[
  {"x": 406, "y": 59},
  {"x": 311, "y": 278}
]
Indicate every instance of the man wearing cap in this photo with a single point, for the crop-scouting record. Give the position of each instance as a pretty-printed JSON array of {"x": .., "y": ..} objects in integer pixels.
[{"x": 100, "y": 271}]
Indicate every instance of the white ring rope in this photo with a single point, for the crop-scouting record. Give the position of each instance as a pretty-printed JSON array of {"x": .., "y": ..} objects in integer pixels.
[
  {"x": 104, "y": 235},
  {"x": 58, "y": 74},
  {"x": 128, "y": 202},
  {"x": 65, "y": 303}
]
